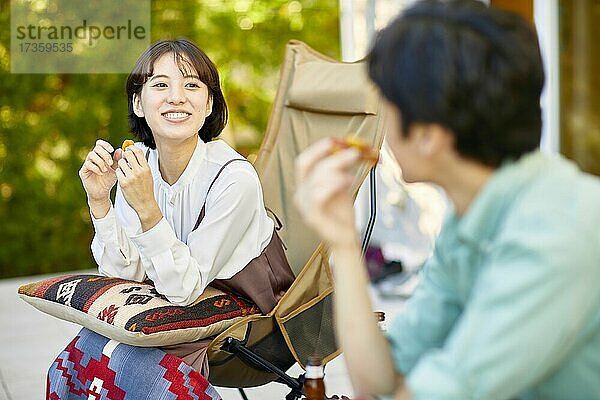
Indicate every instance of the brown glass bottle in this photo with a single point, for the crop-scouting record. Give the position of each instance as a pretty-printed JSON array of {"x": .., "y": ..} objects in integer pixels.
[{"x": 314, "y": 386}]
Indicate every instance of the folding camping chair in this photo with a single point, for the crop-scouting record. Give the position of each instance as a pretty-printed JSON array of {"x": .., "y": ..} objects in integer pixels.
[{"x": 317, "y": 97}]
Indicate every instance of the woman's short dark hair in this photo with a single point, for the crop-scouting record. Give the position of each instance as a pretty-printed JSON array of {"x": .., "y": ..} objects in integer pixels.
[
  {"x": 474, "y": 69},
  {"x": 187, "y": 56}
]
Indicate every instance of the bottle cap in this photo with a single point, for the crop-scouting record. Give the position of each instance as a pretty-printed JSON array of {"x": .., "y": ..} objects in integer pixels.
[
  {"x": 314, "y": 360},
  {"x": 314, "y": 368}
]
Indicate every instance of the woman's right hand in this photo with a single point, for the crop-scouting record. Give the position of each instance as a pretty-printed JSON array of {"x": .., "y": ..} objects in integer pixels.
[{"x": 98, "y": 171}]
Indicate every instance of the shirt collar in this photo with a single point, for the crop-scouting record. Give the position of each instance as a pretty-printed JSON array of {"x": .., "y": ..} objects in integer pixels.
[
  {"x": 485, "y": 214},
  {"x": 190, "y": 170}
]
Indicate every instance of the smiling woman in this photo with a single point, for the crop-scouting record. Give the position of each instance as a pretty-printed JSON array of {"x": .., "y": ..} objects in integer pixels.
[
  {"x": 199, "y": 77},
  {"x": 188, "y": 210}
]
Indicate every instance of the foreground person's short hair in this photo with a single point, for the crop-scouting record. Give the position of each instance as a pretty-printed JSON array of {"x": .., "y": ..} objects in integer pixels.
[{"x": 473, "y": 69}]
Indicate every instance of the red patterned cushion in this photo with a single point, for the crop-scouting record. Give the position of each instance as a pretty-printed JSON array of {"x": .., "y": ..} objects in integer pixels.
[{"x": 132, "y": 312}]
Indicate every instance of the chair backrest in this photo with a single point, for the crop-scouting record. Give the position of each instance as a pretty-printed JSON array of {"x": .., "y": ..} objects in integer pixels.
[{"x": 317, "y": 97}]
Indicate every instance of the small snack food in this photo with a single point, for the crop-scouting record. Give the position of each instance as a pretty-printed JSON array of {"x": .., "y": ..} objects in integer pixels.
[
  {"x": 127, "y": 143},
  {"x": 367, "y": 152}
]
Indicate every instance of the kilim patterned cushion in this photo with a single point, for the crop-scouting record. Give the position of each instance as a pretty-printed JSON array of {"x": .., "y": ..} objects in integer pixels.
[{"x": 134, "y": 313}]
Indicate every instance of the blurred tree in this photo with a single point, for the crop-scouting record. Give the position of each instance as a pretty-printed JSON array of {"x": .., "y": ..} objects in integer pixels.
[
  {"x": 579, "y": 84},
  {"x": 49, "y": 122}
]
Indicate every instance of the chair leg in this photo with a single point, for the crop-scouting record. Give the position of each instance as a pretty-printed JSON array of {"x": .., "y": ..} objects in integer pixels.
[
  {"x": 243, "y": 394},
  {"x": 236, "y": 347},
  {"x": 293, "y": 395},
  {"x": 373, "y": 210}
]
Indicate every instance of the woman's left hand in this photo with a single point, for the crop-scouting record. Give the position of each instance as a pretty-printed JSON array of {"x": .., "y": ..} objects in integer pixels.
[{"x": 136, "y": 181}]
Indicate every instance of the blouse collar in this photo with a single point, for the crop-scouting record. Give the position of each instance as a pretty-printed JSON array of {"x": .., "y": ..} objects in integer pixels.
[{"x": 188, "y": 173}]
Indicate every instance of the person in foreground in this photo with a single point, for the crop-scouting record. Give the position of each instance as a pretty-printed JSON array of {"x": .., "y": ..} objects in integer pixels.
[
  {"x": 189, "y": 210},
  {"x": 509, "y": 302}
]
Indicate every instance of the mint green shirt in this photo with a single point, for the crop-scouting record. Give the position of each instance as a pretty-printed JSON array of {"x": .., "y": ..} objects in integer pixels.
[{"x": 509, "y": 303}]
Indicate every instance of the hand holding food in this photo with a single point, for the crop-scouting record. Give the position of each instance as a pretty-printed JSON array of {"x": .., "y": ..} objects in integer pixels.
[
  {"x": 137, "y": 184},
  {"x": 367, "y": 153},
  {"x": 118, "y": 153},
  {"x": 127, "y": 143},
  {"x": 98, "y": 172},
  {"x": 324, "y": 178}
]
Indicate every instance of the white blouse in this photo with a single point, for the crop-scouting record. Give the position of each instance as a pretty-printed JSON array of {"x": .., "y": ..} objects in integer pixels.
[{"x": 181, "y": 263}]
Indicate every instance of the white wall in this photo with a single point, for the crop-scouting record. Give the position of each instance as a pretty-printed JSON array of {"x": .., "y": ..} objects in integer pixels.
[
  {"x": 546, "y": 22},
  {"x": 359, "y": 19}
]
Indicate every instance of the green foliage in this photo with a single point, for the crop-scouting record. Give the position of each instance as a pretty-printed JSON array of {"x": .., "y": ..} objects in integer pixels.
[{"x": 49, "y": 122}]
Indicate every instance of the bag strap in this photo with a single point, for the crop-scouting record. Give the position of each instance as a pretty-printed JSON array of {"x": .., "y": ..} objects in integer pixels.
[
  {"x": 203, "y": 210},
  {"x": 279, "y": 224}
]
